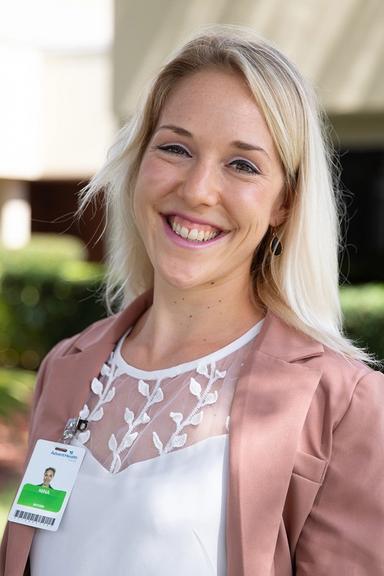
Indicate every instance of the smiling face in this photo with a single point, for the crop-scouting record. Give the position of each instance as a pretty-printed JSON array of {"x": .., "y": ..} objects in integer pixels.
[
  {"x": 210, "y": 183},
  {"x": 48, "y": 476}
]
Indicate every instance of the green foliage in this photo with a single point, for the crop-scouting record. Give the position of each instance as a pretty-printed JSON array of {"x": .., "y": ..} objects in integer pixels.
[
  {"x": 16, "y": 387},
  {"x": 47, "y": 294},
  {"x": 363, "y": 308}
]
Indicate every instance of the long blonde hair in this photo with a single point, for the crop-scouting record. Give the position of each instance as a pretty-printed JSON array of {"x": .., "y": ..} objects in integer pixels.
[{"x": 300, "y": 285}]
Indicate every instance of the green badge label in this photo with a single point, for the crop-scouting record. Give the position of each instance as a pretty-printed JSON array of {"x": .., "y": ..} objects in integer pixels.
[{"x": 41, "y": 497}]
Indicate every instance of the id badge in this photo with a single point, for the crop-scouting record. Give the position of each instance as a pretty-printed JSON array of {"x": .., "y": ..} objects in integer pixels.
[{"x": 47, "y": 484}]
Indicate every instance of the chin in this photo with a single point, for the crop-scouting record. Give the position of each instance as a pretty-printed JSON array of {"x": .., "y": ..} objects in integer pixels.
[{"x": 182, "y": 280}]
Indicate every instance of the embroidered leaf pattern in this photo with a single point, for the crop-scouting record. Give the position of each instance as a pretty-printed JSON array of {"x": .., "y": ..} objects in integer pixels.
[
  {"x": 96, "y": 416},
  {"x": 197, "y": 418},
  {"x": 145, "y": 418},
  {"x": 97, "y": 386},
  {"x": 205, "y": 398},
  {"x": 105, "y": 394},
  {"x": 133, "y": 421},
  {"x": 112, "y": 443},
  {"x": 84, "y": 413},
  {"x": 203, "y": 370},
  {"x": 84, "y": 436},
  {"x": 143, "y": 388},
  {"x": 158, "y": 396},
  {"x": 105, "y": 370},
  {"x": 195, "y": 388},
  {"x": 128, "y": 441},
  {"x": 176, "y": 417},
  {"x": 179, "y": 441},
  {"x": 148, "y": 394},
  {"x": 128, "y": 416},
  {"x": 110, "y": 394},
  {"x": 210, "y": 398},
  {"x": 157, "y": 442}
]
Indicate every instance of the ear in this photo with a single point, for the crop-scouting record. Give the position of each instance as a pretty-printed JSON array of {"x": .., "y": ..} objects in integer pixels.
[
  {"x": 279, "y": 214},
  {"x": 280, "y": 210}
]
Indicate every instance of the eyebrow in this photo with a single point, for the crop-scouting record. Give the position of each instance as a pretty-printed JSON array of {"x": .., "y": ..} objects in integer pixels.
[{"x": 236, "y": 143}]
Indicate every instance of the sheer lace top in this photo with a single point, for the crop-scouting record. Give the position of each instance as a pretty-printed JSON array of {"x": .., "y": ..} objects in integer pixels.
[{"x": 135, "y": 415}]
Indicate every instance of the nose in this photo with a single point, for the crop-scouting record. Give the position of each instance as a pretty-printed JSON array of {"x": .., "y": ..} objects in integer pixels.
[{"x": 201, "y": 184}]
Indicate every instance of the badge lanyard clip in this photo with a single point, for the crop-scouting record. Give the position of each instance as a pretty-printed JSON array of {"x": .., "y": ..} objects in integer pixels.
[{"x": 72, "y": 426}]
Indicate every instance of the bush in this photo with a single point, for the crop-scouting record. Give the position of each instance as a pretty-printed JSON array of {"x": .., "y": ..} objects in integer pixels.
[
  {"x": 16, "y": 388},
  {"x": 363, "y": 308},
  {"x": 47, "y": 294}
]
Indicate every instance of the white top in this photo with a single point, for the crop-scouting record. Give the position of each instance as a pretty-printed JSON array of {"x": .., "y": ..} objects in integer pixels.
[{"x": 150, "y": 498}]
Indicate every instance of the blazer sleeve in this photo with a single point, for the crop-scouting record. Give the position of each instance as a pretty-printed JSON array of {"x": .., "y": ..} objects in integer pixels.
[
  {"x": 344, "y": 533},
  {"x": 39, "y": 385}
]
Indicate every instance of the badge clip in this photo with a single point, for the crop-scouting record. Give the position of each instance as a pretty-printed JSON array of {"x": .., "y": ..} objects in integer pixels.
[{"x": 72, "y": 426}]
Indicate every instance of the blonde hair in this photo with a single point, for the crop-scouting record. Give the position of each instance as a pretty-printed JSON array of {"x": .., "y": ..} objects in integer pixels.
[{"x": 300, "y": 285}]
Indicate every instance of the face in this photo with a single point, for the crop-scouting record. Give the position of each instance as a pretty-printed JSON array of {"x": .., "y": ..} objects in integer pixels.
[
  {"x": 210, "y": 183},
  {"x": 48, "y": 477}
]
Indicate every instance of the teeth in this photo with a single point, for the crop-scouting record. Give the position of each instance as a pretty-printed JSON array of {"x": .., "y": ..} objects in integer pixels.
[{"x": 193, "y": 234}]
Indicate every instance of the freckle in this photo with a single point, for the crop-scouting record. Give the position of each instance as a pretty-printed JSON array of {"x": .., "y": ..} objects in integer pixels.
[
  {"x": 212, "y": 283},
  {"x": 220, "y": 300},
  {"x": 175, "y": 302},
  {"x": 208, "y": 307},
  {"x": 190, "y": 316},
  {"x": 204, "y": 339},
  {"x": 183, "y": 299}
]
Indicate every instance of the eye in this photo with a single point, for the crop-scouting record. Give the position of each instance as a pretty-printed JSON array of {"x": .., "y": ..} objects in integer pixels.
[
  {"x": 244, "y": 166},
  {"x": 174, "y": 149}
]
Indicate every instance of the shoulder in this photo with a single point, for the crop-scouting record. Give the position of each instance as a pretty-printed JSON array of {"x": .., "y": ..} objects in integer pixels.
[
  {"x": 89, "y": 334},
  {"x": 345, "y": 380},
  {"x": 339, "y": 377}
]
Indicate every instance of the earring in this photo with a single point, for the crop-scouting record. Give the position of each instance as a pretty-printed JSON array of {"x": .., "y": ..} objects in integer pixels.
[{"x": 276, "y": 247}]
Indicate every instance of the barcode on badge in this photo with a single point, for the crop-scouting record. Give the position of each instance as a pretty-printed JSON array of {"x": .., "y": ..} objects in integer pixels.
[{"x": 34, "y": 517}]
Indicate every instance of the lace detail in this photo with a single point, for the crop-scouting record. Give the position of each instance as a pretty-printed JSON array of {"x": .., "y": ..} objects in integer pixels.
[
  {"x": 205, "y": 398},
  {"x": 135, "y": 418},
  {"x": 105, "y": 393},
  {"x": 129, "y": 417}
]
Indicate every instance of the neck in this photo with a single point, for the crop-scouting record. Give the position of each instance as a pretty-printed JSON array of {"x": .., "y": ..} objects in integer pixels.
[{"x": 202, "y": 320}]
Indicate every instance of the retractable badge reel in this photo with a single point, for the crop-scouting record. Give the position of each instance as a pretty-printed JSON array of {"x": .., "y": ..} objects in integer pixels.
[{"x": 48, "y": 480}]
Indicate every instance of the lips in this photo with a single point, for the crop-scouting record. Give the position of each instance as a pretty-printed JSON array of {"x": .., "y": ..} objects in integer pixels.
[{"x": 194, "y": 231}]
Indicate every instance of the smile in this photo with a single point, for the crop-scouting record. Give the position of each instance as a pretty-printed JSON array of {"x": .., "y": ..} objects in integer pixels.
[{"x": 193, "y": 232}]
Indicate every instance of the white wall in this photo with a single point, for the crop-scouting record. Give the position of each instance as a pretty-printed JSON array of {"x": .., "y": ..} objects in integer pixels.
[{"x": 55, "y": 102}]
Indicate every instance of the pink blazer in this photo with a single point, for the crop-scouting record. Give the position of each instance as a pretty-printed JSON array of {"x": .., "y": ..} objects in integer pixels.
[{"x": 306, "y": 478}]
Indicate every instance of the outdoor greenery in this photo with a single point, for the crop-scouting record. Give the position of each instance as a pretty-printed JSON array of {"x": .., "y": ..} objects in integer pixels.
[
  {"x": 363, "y": 308},
  {"x": 47, "y": 293},
  {"x": 16, "y": 388}
]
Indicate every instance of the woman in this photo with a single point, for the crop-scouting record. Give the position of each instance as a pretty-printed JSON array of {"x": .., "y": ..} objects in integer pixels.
[{"x": 232, "y": 428}]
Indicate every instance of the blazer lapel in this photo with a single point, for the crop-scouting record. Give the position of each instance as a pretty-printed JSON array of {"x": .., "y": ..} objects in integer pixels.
[
  {"x": 69, "y": 377},
  {"x": 268, "y": 413}
]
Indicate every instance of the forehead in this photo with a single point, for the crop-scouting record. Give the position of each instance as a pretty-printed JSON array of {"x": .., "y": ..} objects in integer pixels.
[{"x": 213, "y": 99}]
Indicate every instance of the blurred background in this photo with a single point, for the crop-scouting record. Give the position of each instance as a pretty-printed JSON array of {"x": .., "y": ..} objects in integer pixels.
[{"x": 71, "y": 73}]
